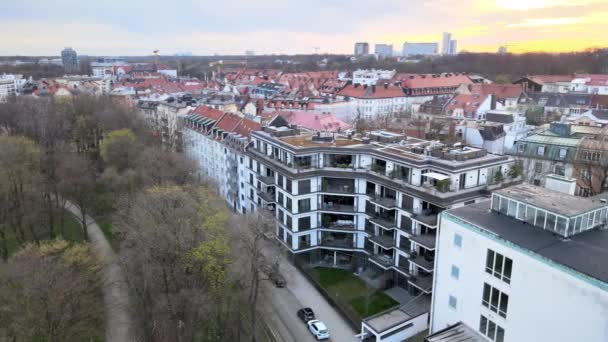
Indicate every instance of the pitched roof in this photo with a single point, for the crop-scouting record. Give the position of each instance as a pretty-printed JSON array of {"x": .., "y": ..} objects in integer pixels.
[
  {"x": 372, "y": 92},
  {"x": 544, "y": 79},
  {"x": 502, "y": 91},
  {"x": 246, "y": 126},
  {"x": 208, "y": 112},
  {"x": 228, "y": 122},
  {"x": 435, "y": 81},
  {"x": 469, "y": 103}
]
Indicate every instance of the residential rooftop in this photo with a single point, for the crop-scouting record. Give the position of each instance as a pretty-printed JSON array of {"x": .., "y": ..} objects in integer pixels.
[
  {"x": 386, "y": 142},
  {"x": 392, "y": 317},
  {"x": 550, "y": 200},
  {"x": 586, "y": 253}
]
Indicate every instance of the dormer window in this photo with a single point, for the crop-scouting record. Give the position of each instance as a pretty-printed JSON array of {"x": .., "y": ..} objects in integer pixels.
[{"x": 540, "y": 150}]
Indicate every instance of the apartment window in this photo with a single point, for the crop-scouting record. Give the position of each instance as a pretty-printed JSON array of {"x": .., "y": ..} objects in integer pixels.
[
  {"x": 457, "y": 240},
  {"x": 521, "y": 148},
  {"x": 288, "y": 185},
  {"x": 540, "y": 150},
  {"x": 251, "y": 178},
  {"x": 455, "y": 272},
  {"x": 289, "y": 222},
  {"x": 495, "y": 300},
  {"x": 586, "y": 175},
  {"x": 559, "y": 170},
  {"x": 491, "y": 330},
  {"x": 288, "y": 203},
  {"x": 538, "y": 167},
  {"x": 562, "y": 153},
  {"x": 452, "y": 302},
  {"x": 251, "y": 193},
  {"x": 281, "y": 197},
  {"x": 241, "y": 160},
  {"x": 304, "y": 205},
  {"x": 499, "y": 266},
  {"x": 304, "y": 223},
  {"x": 304, "y": 186}
]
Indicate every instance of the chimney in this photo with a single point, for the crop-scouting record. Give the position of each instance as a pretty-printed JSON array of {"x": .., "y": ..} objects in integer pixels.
[{"x": 385, "y": 85}]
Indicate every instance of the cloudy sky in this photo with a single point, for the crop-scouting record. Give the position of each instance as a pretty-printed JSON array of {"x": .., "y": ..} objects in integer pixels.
[{"x": 205, "y": 27}]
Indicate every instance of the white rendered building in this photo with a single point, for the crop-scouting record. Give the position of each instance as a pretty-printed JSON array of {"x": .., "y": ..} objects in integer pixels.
[
  {"x": 371, "y": 77},
  {"x": 367, "y": 203},
  {"x": 531, "y": 265}
]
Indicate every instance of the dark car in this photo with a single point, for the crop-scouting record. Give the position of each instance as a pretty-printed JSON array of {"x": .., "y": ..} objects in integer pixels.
[
  {"x": 277, "y": 279},
  {"x": 306, "y": 314}
]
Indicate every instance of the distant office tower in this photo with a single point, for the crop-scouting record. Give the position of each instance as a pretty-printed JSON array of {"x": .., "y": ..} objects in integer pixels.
[
  {"x": 361, "y": 49},
  {"x": 250, "y": 53},
  {"x": 445, "y": 44},
  {"x": 410, "y": 49},
  {"x": 383, "y": 50},
  {"x": 69, "y": 58},
  {"x": 453, "y": 47}
]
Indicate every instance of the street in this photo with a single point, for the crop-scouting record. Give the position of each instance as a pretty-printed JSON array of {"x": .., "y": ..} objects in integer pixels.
[{"x": 282, "y": 304}]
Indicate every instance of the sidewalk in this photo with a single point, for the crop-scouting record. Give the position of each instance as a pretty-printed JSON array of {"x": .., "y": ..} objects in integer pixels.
[{"x": 119, "y": 323}]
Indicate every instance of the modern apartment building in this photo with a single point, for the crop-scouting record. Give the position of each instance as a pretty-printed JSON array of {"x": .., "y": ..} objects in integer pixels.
[
  {"x": 361, "y": 49},
  {"x": 69, "y": 59},
  {"x": 529, "y": 265},
  {"x": 368, "y": 203},
  {"x": 425, "y": 49},
  {"x": 383, "y": 50}
]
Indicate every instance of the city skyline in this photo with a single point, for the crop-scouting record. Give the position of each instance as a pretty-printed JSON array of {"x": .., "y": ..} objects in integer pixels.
[{"x": 139, "y": 27}]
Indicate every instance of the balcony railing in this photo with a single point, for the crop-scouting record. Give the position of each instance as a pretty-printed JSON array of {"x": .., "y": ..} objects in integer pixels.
[
  {"x": 386, "y": 202},
  {"x": 382, "y": 259},
  {"x": 339, "y": 225},
  {"x": 385, "y": 241},
  {"x": 338, "y": 207},
  {"x": 268, "y": 180},
  {"x": 387, "y": 222},
  {"x": 424, "y": 283},
  {"x": 428, "y": 219},
  {"x": 425, "y": 240},
  {"x": 424, "y": 262},
  {"x": 338, "y": 188},
  {"x": 338, "y": 243}
]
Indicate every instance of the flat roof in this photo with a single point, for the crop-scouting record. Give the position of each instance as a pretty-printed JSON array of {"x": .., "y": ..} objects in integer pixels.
[
  {"x": 586, "y": 253},
  {"x": 395, "y": 316},
  {"x": 458, "y": 332},
  {"x": 553, "y": 201}
]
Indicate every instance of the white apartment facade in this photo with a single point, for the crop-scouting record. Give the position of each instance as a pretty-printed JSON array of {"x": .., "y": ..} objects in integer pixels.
[
  {"x": 511, "y": 281},
  {"x": 371, "y": 77},
  {"x": 10, "y": 85}
]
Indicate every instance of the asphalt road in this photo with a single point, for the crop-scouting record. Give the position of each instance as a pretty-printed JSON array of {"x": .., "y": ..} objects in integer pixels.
[{"x": 281, "y": 306}]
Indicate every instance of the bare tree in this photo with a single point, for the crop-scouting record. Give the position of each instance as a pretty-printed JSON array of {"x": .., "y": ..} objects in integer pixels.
[
  {"x": 51, "y": 293},
  {"x": 78, "y": 184},
  {"x": 177, "y": 258}
]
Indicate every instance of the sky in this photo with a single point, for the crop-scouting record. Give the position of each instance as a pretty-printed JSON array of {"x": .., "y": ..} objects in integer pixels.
[{"x": 204, "y": 27}]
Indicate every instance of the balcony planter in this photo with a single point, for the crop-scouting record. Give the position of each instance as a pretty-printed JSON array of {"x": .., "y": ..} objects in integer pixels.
[
  {"x": 443, "y": 185},
  {"x": 377, "y": 168}
]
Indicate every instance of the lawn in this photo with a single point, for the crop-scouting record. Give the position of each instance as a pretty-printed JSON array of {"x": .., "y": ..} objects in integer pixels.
[
  {"x": 351, "y": 293},
  {"x": 72, "y": 231}
]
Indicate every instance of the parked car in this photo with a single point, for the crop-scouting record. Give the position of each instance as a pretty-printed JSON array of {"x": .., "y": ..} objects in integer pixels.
[
  {"x": 318, "y": 329},
  {"x": 277, "y": 279},
  {"x": 306, "y": 314}
]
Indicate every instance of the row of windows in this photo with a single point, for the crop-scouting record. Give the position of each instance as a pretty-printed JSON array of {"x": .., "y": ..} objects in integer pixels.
[
  {"x": 495, "y": 300},
  {"x": 491, "y": 330},
  {"x": 499, "y": 266}
]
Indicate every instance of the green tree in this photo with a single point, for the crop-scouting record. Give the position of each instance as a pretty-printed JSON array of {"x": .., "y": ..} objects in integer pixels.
[
  {"x": 503, "y": 79},
  {"x": 51, "y": 293},
  {"x": 120, "y": 149}
]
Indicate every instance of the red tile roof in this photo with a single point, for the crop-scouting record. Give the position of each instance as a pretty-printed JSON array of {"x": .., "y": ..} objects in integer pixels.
[
  {"x": 246, "y": 126},
  {"x": 469, "y": 103},
  {"x": 371, "y": 92},
  {"x": 208, "y": 112},
  {"x": 543, "y": 79},
  {"x": 428, "y": 81},
  {"x": 501, "y": 91},
  {"x": 228, "y": 122}
]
